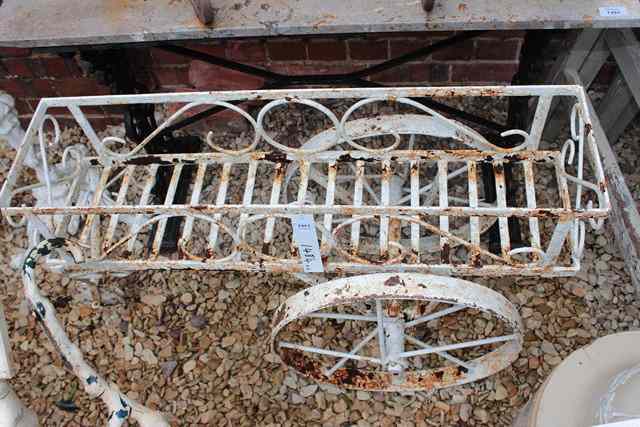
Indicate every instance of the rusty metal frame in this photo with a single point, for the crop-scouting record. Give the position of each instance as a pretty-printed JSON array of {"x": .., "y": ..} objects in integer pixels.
[
  {"x": 234, "y": 219},
  {"x": 392, "y": 370}
]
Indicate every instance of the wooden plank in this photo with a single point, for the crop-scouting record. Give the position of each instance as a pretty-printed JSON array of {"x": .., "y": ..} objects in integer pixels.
[
  {"x": 30, "y": 23},
  {"x": 626, "y": 50},
  {"x": 617, "y": 108},
  {"x": 587, "y": 55},
  {"x": 624, "y": 218}
]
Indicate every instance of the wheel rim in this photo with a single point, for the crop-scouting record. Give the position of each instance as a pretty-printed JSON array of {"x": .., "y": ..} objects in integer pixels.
[{"x": 387, "y": 356}]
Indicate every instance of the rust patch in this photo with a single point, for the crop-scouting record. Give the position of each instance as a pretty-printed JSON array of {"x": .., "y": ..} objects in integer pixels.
[
  {"x": 393, "y": 281},
  {"x": 372, "y": 380},
  {"x": 146, "y": 160}
]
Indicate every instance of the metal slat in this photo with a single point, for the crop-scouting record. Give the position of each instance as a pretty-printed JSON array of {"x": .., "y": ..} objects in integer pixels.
[
  {"x": 168, "y": 201},
  {"x": 357, "y": 201},
  {"x": 223, "y": 185},
  {"x": 104, "y": 178},
  {"x": 248, "y": 196},
  {"x": 443, "y": 202},
  {"x": 415, "y": 201},
  {"x": 120, "y": 200},
  {"x": 501, "y": 200},
  {"x": 332, "y": 171},
  {"x": 195, "y": 199},
  {"x": 278, "y": 176},
  {"x": 144, "y": 199},
  {"x": 474, "y": 221},
  {"x": 384, "y": 201},
  {"x": 534, "y": 227}
]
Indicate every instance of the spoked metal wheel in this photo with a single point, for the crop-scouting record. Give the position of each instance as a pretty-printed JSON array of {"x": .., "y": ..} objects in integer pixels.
[{"x": 394, "y": 332}]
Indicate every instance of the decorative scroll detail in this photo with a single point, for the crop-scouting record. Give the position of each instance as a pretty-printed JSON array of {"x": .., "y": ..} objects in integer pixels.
[{"x": 119, "y": 405}]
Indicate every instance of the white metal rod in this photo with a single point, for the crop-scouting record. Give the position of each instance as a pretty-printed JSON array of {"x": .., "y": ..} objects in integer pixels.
[
  {"x": 443, "y": 199},
  {"x": 342, "y": 316},
  {"x": 84, "y": 237},
  {"x": 168, "y": 201},
  {"x": 501, "y": 199},
  {"x": 436, "y": 315},
  {"x": 529, "y": 182},
  {"x": 355, "y": 350},
  {"x": 324, "y": 352},
  {"x": 415, "y": 201},
  {"x": 381, "y": 339},
  {"x": 120, "y": 200},
  {"x": 195, "y": 199},
  {"x": 329, "y": 200},
  {"x": 474, "y": 221},
  {"x": 278, "y": 174},
  {"x": 442, "y": 354},
  {"x": 384, "y": 201},
  {"x": 449, "y": 347},
  {"x": 150, "y": 182},
  {"x": 220, "y": 198},
  {"x": 357, "y": 202}
]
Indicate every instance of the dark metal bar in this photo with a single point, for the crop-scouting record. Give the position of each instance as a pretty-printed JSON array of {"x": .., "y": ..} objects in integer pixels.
[{"x": 277, "y": 80}]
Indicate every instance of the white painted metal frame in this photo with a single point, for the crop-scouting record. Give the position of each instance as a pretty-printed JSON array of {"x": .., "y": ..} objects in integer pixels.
[{"x": 50, "y": 219}]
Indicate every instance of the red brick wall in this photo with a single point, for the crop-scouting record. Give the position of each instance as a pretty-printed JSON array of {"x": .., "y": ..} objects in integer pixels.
[{"x": 493, "y": 58}]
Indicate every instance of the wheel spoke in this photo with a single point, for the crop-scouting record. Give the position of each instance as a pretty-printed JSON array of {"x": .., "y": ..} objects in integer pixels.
[
  {"x": 435, "y": 315},
  {"x": 332, "y": 353},
  {"x": 355, "y": 350},
  {"x": 442, "y": 354},
  {"x": 467, "y": 344},
  {"x": 341, "y": 316}
]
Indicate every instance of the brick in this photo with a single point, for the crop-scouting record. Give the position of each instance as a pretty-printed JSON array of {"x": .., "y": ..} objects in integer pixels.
[
  {"x": 43, "y": 88},
  {"x": 368, "y": 50},
  {"x": 414, "y": 73},
  {"x": 162, "y": 57},
  {"x": 404, "y": 46},
  {"x": 204, "y": 76},
  {"x": 327, "y": 50},
  {"x": 290, "y": 50},
  {"x": 17, "y": 67},
  {"x": 253, "y": 51},
  {"x": 461, "y": 51},
  {"x": 398, "y": 74},
  {"x": 16, "y": 88},
  {"x": 14, "y": 52},
  {"x": 439, "y": 73},
  {"x": 493, "y": 50},
  {"x": 56, "y": 67},
  {"x": 215, "y": 48},
  {"x": 174, "y": 76},
  {"x": 296, "y": 68},
  {"x": 483, "y": 72},
  {"x": 80, "y": 87}
]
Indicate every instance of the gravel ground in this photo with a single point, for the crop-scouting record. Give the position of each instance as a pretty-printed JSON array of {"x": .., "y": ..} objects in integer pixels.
[{"x": 196, "y": 344}]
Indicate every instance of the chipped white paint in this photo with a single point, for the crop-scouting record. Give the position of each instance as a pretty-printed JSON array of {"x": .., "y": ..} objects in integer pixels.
[
  {"x": 85, "y": 198},
  {"x": 12, "y": 412},
  {"x": 346, "y": 247},
  {"x": 393, "y": 369},
  {"x": 120, "y": 407}
]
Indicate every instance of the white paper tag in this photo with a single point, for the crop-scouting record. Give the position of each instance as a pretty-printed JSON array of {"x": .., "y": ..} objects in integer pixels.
[
  {"x": 612, "y": 11},
  {"x": 628, "y": 423},
  {"x": 306, "y": 238}
]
